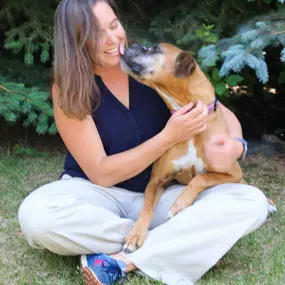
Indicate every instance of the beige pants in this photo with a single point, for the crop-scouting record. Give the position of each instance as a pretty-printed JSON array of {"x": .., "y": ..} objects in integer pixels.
[{"x": 72, "y": 216}]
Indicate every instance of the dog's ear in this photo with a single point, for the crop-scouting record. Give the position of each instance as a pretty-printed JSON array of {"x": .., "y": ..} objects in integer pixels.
[{"x": 184, "y": 65}]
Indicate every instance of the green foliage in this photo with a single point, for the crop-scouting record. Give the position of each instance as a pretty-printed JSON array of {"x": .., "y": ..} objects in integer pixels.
[
  {"x": 28, "y": 29},
  {"x": 220, "y": 84},
  {"x": 29, "y": 104},
  {"x": 246, "y": 48},
  {"x": 193, "y": 26},
  {"x": 233, "y": 80},
  {"x": 22, "y": 151},
  {"x": 33, "y": 34},
  {"x": 206, "y": 34},
  {"x": 224, "y": 36}
]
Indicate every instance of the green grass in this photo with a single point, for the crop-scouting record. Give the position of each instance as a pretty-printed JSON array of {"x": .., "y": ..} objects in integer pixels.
[{"x": 258, "y": 258}]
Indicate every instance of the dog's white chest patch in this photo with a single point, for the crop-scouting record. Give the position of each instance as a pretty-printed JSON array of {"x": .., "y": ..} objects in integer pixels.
[{"x": 190, "y": 159}]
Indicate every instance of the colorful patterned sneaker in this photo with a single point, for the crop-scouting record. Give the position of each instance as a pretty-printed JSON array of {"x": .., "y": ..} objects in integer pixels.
[{"x": 100, "y": 269}]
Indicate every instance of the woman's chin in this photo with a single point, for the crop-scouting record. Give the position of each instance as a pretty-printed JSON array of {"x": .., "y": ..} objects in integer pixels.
[{"x": 113, "y": 63}]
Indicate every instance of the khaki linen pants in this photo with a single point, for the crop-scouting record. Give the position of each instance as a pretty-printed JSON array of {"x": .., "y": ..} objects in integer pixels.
[{"x": 72, "y": 216}]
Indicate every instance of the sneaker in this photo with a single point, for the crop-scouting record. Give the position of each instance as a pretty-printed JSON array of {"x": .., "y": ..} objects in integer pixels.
[{"x": 100, "y": 269}]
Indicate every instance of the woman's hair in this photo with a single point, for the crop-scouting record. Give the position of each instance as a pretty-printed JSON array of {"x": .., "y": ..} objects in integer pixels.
[{"x": 77, "y": 39}]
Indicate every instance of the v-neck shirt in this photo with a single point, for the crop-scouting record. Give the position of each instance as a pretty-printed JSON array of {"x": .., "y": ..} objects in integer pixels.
[{"x": 121, "y": 128}]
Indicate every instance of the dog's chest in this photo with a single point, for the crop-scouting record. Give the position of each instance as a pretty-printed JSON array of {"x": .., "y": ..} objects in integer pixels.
[{"x": 189, "y": 160}]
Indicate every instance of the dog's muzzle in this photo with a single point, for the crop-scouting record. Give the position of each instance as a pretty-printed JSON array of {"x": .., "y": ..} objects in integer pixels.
[
  {"x": 132, "y": 60},
  {"x": 128, "y": 62}
]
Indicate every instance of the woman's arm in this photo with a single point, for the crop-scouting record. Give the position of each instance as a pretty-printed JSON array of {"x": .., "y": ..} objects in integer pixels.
[
  {"x": 83, "y": 141},
  {"x": 235, "y": 131},
  {"x": 223, "y": 150}
]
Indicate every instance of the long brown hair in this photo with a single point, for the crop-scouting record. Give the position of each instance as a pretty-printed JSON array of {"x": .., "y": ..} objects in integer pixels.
[{"x": 77, "y": 36}]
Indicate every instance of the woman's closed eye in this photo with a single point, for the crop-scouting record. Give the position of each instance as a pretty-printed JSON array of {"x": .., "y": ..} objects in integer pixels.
[{"x": 114, "y": 25}]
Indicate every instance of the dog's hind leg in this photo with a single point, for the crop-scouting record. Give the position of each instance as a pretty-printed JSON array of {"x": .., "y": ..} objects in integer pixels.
[{"x": 198, "y": 184}]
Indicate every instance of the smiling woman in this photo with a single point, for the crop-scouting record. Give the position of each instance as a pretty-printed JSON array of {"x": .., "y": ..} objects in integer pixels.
[
  {"x": 83, "y": 41},
  {"x": 114, "y": 128},
  {"x": 114, "y": 36}
]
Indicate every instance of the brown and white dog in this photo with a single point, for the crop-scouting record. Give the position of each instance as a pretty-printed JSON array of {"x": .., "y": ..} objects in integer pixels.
[{"x": 177, "y": 78}]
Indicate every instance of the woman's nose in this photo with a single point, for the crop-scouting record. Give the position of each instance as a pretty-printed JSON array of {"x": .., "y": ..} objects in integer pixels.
[{"x": 110, "y": 38}]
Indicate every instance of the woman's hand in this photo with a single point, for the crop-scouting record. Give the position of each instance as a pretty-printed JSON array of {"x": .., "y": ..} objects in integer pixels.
[
  {"x": 222, "y": 151},
  {"x": 186, "y": 123}
]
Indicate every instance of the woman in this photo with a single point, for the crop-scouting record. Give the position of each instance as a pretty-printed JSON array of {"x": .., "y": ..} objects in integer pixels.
[{"x": 114, "y": 129}]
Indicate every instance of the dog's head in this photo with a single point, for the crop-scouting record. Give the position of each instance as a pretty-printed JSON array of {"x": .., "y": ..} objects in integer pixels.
[
  {"x": 161, "y": 67},
  {"x": 149, "y": 63}
]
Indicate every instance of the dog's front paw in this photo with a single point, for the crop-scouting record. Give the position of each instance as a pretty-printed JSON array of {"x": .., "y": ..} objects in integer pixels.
[
  {"x": 176, "y": 208},
  {"x": 129, "y": 248},
  {"x": 184, "y": 200},
  {"x": 135, "y": 239}
]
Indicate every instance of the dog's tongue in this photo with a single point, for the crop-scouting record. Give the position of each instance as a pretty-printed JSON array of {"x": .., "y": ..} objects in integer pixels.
[{"x": 121, "y": 50}]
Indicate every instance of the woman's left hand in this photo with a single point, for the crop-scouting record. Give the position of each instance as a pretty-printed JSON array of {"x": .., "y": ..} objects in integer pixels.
[{"x": 222, "y": 151}]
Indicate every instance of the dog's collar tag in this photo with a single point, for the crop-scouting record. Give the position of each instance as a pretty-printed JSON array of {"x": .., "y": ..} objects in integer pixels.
[{"x": 213, "y": 106}]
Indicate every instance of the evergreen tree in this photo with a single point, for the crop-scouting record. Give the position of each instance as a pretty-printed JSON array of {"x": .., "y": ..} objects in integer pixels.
[
  {"x": 246, "y": 48},
  {"x": 224, "y": 35}
]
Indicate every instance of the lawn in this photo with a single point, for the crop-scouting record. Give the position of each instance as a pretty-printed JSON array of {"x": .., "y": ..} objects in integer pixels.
[{"x": 258, "y": 258}]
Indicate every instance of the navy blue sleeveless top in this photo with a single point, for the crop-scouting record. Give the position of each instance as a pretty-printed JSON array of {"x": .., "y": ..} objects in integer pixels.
[{"x": 121, "y": 128}]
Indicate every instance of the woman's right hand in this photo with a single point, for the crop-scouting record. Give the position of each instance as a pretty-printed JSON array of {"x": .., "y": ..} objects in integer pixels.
[{"x": 186, "y": 123}]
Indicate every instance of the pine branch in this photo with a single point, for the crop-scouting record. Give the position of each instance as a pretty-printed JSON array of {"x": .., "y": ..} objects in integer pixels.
[
  {"x": 17, "y": 100},
  {"x": 247, "y": 46}
]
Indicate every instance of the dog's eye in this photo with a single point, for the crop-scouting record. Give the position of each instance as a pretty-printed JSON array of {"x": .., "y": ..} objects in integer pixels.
[{"x": 153, "y": 49}]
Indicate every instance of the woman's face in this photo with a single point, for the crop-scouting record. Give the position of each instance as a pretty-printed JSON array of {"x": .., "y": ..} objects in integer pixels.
[{"x": 113, "y": 35}]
